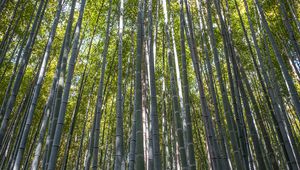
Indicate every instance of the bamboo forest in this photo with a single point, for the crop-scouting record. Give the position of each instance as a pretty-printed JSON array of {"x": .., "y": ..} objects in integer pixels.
[{"x": 150, "y": 84}]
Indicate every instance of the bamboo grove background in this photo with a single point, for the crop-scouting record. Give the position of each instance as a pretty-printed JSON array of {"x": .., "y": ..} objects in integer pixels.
[{"x": 149, "y": 84}]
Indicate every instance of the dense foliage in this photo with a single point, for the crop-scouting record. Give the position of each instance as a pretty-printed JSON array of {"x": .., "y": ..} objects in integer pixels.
[{"x": 150, "y": 84}]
